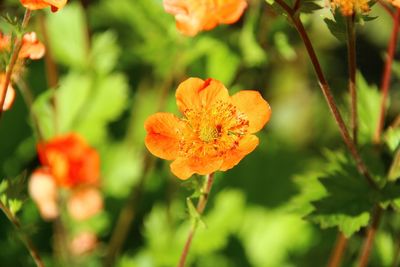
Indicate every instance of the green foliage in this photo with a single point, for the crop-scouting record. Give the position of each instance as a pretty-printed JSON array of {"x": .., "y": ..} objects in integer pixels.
[
  {"x": 348, "y": 200},
  {"x": 337, "y": 26},
  {"x": 310, "y": 6},
  {"x": 368, "y": 109}
]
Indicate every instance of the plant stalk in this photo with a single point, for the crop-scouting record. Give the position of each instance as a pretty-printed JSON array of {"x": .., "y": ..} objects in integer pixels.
[
  {"x": 13, "y": 61},
  {"x": 352, "y": 65},
  {"x": 338, "y": 252},
  {"x": 25, "y": 239},
  {"x": 362, "y": 168},
  {"x": 200, "y": 208},
  {"x": 369, "y": 241},
  {"x": 387, "y": 73}
]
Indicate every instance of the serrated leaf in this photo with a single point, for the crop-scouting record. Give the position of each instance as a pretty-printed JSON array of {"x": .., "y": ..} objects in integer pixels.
[
  {"x": 348, "y": 200},
  {"x": 337, "y": 27},
  {"x": 368, "y": 108},
  {"x": 309, "y": 6}
]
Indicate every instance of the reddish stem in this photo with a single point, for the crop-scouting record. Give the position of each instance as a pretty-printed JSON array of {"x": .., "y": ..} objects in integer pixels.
[
  {"x": 369, "y": 241},
  {"x": 338, "y": 252},
  {"x": 200, "y": 208},
  {"x": 387, "y": 75},
  {"x": 13, "y": 60}
]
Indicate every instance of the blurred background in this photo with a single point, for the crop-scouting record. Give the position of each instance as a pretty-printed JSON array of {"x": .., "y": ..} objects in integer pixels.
[{"x": 117, "y": 62}]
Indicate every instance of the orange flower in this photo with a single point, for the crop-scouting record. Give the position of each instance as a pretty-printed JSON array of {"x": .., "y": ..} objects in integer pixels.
[
  {"x": 348, "y": 7},
  {"x": 39, "y": 4},
  {"x": 10, "y": 95},
  {"x": 84, "y": 203},
  {"x": 193, "y": 16},
  {"x": 43, "y": 190},
  {"x": 70, "y": 160},
  {"x": 215, "y": 133},
  {"x": 31, "y": 47},
  {"x": 82, "y": 243},
  {"x": 4, "y": 42}
]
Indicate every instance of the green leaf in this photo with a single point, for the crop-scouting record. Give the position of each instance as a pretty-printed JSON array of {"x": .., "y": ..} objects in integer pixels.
[
  {"x": 348, "y": 200},
  {"x": 44, "y": 112},
  {"x": 337, "y": 26},
  {"x": 368, "y": 108},
  {"x": 394, "y": 172},
  {"x": 15, "y": 205},
  {"x": 392, "y": 138},
  {"x": 3, "y": 186},
  {"x": 68, "y": 36},
  {"x": 105, "y": 52},
  {"x": 309, "y": 6}
]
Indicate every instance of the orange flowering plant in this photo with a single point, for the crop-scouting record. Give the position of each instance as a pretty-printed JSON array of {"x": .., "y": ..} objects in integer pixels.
[
  {"x": 55, "y": 5},
  {"x": 216, "y": 132},
  {"x": 67, "y": 163},
  {"x": 193, "y": 16}
]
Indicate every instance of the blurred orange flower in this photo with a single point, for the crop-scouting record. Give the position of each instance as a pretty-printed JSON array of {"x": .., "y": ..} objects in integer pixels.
[
  {"x": 39, "y": 4},
  {"x": 82, "y": 243},
  {"x": 216, "y": 131},
  {"x": 84, "y": 203},
  {"x": 193, "y": 16},
  {"x": 43, "y": 190},
  {"x": 31, "y": 47},
  {"x": 10, "y": 95},
  {"x": 348, "y": 7},
  {"x": 70, "y": 160}
]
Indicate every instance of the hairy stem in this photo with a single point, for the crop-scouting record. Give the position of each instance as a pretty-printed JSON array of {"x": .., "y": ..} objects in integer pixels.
[
  {"x": 14, "y": 57},
  {"x": 387, "y": 73},
  {"x": 351, "y": 58},
  {"x": 362, "y": 168},
  {"x": 200, "y": 208},
  {"x": 25, "y": 239},
  {"x": 338, "y": 251},
  {"x": 369, "y": 241}
]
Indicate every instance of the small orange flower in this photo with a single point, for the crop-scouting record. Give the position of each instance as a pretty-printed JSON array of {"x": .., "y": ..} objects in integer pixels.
[
  {"x": 70, "y": 160},
  {"x": 83, "y": 243},
  {"x": 43, "y": 190},
  {"x": 348, "y": 7},
  {"x": 4, "y": 42},
  {"x": 193, "y": 16},
  {"x": 10, "y": 94},
  {"x": 215, "y": 133},
  {"x": 39, "y": 4},
  {"x": 31, "y": 47},
  {"x": 84, "y": 203}
]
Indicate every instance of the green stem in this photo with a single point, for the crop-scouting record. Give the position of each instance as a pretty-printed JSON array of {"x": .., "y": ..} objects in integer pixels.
[
  {"x": 13, "y": 60},
  {"x": 25, "y": 239},
  {"x": 362, "y": 168},
  {"x": 351, "y": 57},
  {"x": 200, "y": 209}
]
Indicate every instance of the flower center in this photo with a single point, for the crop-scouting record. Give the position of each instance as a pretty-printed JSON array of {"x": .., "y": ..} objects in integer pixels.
[{"x": 213, "y": 131}]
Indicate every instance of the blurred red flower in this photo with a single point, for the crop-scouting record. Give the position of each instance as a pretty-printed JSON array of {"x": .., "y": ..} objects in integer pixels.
[
  {"x": 215, "y": 133},
  {"x": 70, "y": 160},
  {"x": 193, "y": 16},
  {"x": 39, "y": 4}
]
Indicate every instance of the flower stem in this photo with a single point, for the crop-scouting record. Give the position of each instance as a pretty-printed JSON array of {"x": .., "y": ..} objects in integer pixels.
[
  {"x": 362, "y": 168},
  {"x": 351, "y": 57},
  {"x": 387, "y": 75},
  {"x": 200, "y": 208},
  {"x": 367, "y": 246},
  {"x": 25, "y": 239},
  {"x": 338, "y": 251},
  {"x": 13, "y": 60}
]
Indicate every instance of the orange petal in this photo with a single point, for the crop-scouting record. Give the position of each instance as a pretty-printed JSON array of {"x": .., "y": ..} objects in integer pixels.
[
  {"x": 246, "y": 145},
  {"x": 39, "y": 4},
  {"x": 254, "y": 106},
  {"x": 184, "y": 168},
  {"x": 31, "y": 47},
  {"x": 163, "y": 134},
  {"x": 195, "y": 93},
  {"x": 232, "y": 11},
  {"x": 85, "y": 203}
]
